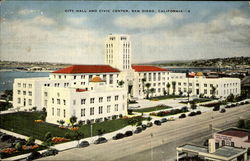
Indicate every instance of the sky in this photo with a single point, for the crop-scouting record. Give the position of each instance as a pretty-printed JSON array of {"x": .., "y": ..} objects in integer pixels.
[{"x": 46, "y": 31}]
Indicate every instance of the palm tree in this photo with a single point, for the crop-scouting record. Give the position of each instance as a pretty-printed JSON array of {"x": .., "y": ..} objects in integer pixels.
[
  {"x": 147, "y": 86},
  {"x": 143, "y": 82},
  {"x": 213, "y": 91},
  {"x": 152, "y": 90},
  {"x": 168, "y": 86},
  {"x": 120, "y": 83},
  {"x": 173, "y": 85}
]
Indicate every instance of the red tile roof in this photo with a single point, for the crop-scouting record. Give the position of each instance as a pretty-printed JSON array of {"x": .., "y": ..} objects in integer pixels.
[
  {"x": 147, "y": 68},
  {"x": 235, "y": 132},
  {"x": 74, "y": 69}
]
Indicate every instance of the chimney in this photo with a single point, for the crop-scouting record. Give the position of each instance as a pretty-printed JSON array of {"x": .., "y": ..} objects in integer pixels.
[{"x": 211, "y": 145}]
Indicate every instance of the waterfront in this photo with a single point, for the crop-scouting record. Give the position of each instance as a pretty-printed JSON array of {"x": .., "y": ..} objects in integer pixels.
[{"x": 7, "y": 77}]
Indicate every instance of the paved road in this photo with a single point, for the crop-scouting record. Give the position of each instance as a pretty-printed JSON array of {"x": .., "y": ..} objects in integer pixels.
[{"x": 161, "y": 139}]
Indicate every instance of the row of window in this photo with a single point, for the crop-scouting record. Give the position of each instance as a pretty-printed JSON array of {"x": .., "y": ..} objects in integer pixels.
[
  {"x": 24, "y": 85},
  {"x": 58, "y": 112},
  {"x": 24, "y": 101},
  {"x": 100, "y": 110},
  {"x": 24, "y": 92},
  {"x": 100, "y": 99}
]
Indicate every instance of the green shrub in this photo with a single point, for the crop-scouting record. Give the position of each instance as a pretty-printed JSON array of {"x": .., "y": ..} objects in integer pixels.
[
  {"x": 18, "y": 146},
  {"x": 30, "y": 140}
]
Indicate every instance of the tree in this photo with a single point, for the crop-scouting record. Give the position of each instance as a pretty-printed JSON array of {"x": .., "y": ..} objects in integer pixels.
[
  {"x": 18, "y": 146},
  {"x": 147, "y": 91},
  {"x": 61, "y": 122},
  {"x": 152, "y": 91},
  {"x": 173, "y": 85},
  {"x": 73, "y": 120},
  {"x": 230, "y": 98},
  {"x": 193, "y": 105},
  {"x": 168, "y": 87},
  {"x": 213, "y": 90},
  {"x": 120, "y": 83},
  {"x": 42, "y": 117},
  {"x": 241, "y": 123},
  {"x": 30, "y": 141}
]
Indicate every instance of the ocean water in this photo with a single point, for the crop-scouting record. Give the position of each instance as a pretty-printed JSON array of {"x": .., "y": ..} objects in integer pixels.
[{"x": 7, "y": 77}]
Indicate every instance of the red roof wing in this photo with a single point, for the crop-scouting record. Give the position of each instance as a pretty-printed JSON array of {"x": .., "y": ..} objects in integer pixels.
[
  {"x": 87, "y": 69},
  {"x": 146, "y": 68}
]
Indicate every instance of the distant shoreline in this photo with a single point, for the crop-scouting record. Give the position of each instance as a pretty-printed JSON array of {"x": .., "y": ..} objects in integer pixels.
[{"x": 27, "y": 71}]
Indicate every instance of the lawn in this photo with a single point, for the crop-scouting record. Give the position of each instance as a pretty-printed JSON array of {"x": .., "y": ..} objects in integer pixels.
[
  {"x": 150, "y": 109},
  {"x": 23, "y": 123},
  {"x": 198, "y": 100},
  {"x": 165, "y": 97}
]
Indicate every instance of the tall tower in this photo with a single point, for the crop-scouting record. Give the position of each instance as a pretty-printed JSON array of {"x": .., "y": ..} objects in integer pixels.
[{"x": 118, "y": 51}]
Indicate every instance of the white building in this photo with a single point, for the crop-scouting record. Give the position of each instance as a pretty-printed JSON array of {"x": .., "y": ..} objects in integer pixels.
[{"x": 64, "y": 90}]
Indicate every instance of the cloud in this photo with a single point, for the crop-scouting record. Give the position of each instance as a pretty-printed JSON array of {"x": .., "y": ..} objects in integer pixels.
[
  {"x": 27, "y": 11},
  {"x": 143, "y": 21},
  {"x": 76, "y": 21}
]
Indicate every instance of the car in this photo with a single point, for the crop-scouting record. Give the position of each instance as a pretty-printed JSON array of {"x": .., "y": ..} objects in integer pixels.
[
  {"x": 100, "y": 140},
  {"x": 171, "y": 119},
  {"x": 128, "y": 133},
  {"x": 216, "y": 108},
  {"x": 149, "y": 124},
  {"x": 163, "y": 120},
  {"x": 143, "y": 126},
  {"x": 157, "y": 122},
  {"x": 34, "y": 155},
  {"x": 118, "y": 136},
  {"x": 223, "y": 110},
  {"x": 50, "y": 152},
  {"x": 182, "y": 116},
  {"x": 83, "y": 144},
  {"x": 246, "y": 102},
  {"x": 5, "y": 137},
  {"x": 192, "y": 114},
  {"x": 138, "y": 130},
  {"x": 198, "y": 112}
]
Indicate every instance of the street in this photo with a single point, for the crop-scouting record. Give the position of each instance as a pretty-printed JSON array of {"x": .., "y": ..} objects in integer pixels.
[{"x": 159, "y": 142}]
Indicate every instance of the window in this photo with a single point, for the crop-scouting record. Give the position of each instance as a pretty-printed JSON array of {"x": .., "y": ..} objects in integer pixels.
[
  {"x": 30, "y": 102},
  {"x": 179, "y": 83},
  {"x": 232, "y": 144},
  {"x": 24, "y": 85},
  {"x": 30, "y": 85},
  {"x": 52, "y": 100},
  {"x": 18, "y": 92},
  {"x": 30, "y": 93},
  {"x": 116, "y": 98},
  {"x": 65, "y": 76},
  {"x": 92, "y": 100},
  {"x": 111, "y": 79},
  {"x": 108, "y": 98},
  {"x": 74, "y": 102},
  {"x": 197, "y": 84},
  {"x": 45, "y": 94},
  {"x": 82, "y": 112},
  {"x": 53, "y": 111},
  {"x": 64, "y": 102},
  {"x": 19, "y": 84},
  {"x": 58, "y": 94},
  {"x": 18, "y": 100},
  {"x": 58, "y": 101},
  {"x": 58, "y": 112},
  {"x": 64, "y": 113},
  {"x": 92, "y": 110},
  {"x": 75, "y": 77},
  {"x": 108, "y": 109},
  {"x": 205, "y": 91},
  {"x": 45, "y": 102},
  {"x": 116, "y": 107},
  {"x": 190, "y": 84},
  {"x": 24, "y": 92},
  {"x": 100, "y": 99},
  {"x": 59, "y": 76},
  {"x": 100, "y": 109},
  {"x": 205, "y": 85},
  {"x": 223, "y": 142},
  {"x": 83, "y": 101}
]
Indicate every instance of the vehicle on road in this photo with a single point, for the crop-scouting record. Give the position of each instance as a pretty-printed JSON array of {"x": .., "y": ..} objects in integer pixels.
[
  {"x": 128, "y": 133},
  {"x": 50, "y": 152},
  {"x": 182, "y": 116},
  {"x": 223, "y": 110},
  {"x": 138, "y": 130},
  {"x": 171, "y": 119},
  {"x": 149, "y": 124},
  {"x": 100, "y": 140},
  {"x": 157, "y": 122},
  {"x": 143, "y": 126},
  {"x": 34, "y": 155},
  {"x": 198, "y": 112},
  {"x": 83, "y": 144},
  {"x": 192, "y": 114},
  {"x": 163, "y": 120},
  {"x": 118, "y": 136}
]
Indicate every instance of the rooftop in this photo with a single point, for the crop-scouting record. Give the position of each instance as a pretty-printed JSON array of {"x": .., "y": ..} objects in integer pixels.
[
  {"x": 235, "y": 132},
  {"x": 147, "y": 68},
  {"x": 76, "y": 69}
]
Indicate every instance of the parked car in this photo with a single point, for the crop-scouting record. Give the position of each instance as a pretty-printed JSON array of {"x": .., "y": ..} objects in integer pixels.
[
  {"x": 100, "y": 140},
  {"x": 223, "y": 110},
  {"x": 118, "y": 136},
  {"x": 163, "y": 120},
  {"x": 182, "y": 116},
  {"x": 157, "y": 122},
  {"x": 34, "y": 155},
  {"x": 171, "y": 119},
  {"x": 192, "y": 114},
  {"x": 83, "y": 144},
  {"x": 5, "y": 137},
  {"x": 143, "y": 126},
  {"x": 198, "y": 112},
  {"x": 149, "y": 124},
  {"x": 50, "y": 152},
  {"x": 138, "y": 130},
  {"x": 128, "y": 133}
]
